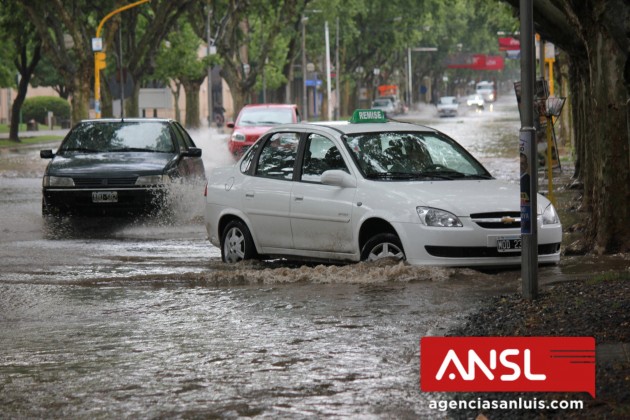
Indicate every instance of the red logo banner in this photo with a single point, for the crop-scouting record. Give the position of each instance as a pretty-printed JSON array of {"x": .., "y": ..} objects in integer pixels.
[{"x": 507, "y": 364}]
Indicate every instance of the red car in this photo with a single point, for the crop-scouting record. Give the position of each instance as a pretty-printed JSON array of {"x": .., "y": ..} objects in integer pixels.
[{"x": 254, "y": 120}]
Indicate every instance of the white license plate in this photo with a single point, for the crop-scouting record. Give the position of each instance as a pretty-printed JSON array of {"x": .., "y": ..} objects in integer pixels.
[
  {"x": 509, "y": 244},
  {"x": 104, "y": 197}
]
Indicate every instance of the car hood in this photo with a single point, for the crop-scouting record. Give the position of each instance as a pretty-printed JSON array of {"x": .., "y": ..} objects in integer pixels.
[
  {"x": 461, "y": 198},
  {"x": 107, "y": 163}
]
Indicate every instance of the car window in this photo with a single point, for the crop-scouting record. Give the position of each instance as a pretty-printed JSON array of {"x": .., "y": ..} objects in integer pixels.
[
  {"x": 246, "y": 163},
  {"x": 277, "y": 157},
  {"x": 410, "y": 154},
  {"x": 188, "y": 142},
  {"x": 321, "y": 155},
  {"x": 265, "y": 116},
  {"x": 118, "y": 136}
]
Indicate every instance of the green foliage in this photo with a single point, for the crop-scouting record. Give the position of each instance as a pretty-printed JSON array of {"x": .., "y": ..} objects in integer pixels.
[{"x": 37, "y": 108}]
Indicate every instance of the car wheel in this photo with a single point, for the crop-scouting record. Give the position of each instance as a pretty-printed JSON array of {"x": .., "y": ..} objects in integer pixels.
[
  {"x": 383, "y": 245},
  {"x": 237, "y": 243}
]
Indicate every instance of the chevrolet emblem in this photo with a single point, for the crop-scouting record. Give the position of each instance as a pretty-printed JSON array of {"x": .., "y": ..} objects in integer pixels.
[{"x": 507, "y": 220}]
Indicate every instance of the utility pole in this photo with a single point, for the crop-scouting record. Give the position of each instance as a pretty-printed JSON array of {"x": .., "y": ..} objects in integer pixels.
[
  {"x": 209, "y": 51},
  {"x": 527, "y": 151}
]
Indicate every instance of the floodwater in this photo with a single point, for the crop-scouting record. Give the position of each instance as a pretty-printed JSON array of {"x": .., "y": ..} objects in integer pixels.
[{"x": 111, "y": 319}]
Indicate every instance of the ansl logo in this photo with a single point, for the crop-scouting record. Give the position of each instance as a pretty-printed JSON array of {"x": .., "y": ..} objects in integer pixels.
[
  {"x": 507, "y": 364},
  {"x": 510, "y": 359}
]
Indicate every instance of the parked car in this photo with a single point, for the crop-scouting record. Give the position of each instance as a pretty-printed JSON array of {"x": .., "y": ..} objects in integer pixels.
[
  {"x": 118, "y": 167},
  {"x": 369, "y": 189},
  {"x": 447, "y": 106},
  {"x": 254, "y": 120},
  {"x": 475, "y": 100},
  {"x": 386, "y": 105}
]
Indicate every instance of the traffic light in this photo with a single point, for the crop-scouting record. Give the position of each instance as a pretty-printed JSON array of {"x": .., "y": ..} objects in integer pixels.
[{"x": 99, "y": 61}]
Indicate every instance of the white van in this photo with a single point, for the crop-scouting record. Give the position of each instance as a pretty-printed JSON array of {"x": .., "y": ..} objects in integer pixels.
[{"x": 487, "y": 91}]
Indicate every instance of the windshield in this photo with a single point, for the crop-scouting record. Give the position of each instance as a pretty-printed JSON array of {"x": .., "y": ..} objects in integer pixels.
[
  {"x": 407, "y": 155},
  {"x": 118, "y": 136},
  {"x": 265, "y": 116}
]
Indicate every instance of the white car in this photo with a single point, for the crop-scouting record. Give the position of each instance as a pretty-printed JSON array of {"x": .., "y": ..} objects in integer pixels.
[
  {"x": 475, "y": 100},
  {"x": 447, "y": 106},
  {"x": 367, "y": 189},
  {"x": 386, "y": 105}
]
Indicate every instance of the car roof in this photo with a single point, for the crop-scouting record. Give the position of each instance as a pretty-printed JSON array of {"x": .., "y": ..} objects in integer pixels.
[
  {"x": 110, "y": 120},
  {"x": 270, "y": 106},
  {"x": 346, "y": 127}
]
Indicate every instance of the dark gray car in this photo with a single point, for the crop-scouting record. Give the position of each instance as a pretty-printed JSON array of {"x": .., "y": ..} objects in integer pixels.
[{"x": 118, "y": 167}]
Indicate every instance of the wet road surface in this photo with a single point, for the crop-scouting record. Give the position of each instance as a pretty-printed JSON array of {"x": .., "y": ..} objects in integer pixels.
[{"x": 111, "y": 318}]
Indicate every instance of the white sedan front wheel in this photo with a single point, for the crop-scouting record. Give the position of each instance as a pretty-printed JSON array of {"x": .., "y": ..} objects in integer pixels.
[{"x": 383, "y": 245}]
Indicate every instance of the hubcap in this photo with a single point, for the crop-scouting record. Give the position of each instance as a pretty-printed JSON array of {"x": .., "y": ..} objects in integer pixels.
[
  {"x": 385, "y": 250},
  {"x": 234, "y": 247}
]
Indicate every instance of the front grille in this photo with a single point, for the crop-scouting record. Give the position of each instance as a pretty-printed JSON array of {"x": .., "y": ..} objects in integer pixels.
[
  {"x": 497, "y": 220},
  {"x": 104, "y": 182},
  {"x": 483, "y": 252}
]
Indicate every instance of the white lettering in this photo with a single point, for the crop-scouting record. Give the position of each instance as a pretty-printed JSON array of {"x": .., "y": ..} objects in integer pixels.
[
  {"x": 528, "y": 369},
  {"x": 510, "y": 365}
]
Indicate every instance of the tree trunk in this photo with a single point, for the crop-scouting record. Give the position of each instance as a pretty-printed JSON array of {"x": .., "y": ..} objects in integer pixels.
[{"x": 192, "y": 103}]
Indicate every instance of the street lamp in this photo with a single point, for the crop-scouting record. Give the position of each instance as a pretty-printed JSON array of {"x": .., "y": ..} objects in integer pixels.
[
  {"x": 99, "y": 55},
  {"x": 409, "y": 85}
]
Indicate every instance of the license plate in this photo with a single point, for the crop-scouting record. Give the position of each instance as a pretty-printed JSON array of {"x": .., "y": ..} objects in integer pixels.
[
  {"x": 104, "y": 197},
  {"x": 509, "y": 244}
]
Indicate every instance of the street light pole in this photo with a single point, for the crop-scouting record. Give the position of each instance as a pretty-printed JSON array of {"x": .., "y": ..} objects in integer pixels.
[
  {"x": 304, "y": 87},
  {"x": 409, "y": 75},
  {"x": 99, "y": 57}
]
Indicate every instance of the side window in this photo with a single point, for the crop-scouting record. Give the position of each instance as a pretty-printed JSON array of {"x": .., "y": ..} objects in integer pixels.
[
  {"x": 277, "y": 157},
  {"x": 187, "y": 140},
  {"x": 179, "y": 138},
  {"x": 321, "y": 155},
  {"x": 246, "y": 163}
]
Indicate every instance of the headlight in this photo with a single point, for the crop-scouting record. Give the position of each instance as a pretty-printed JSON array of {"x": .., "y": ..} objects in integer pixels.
[
  {"x": 238, "y": 136},
  {"x": 550, "y": 216},
  {"x": 57, "y": 181},
  {"x": 436, "y": 217},
  {"x": 152, "y": 180}
]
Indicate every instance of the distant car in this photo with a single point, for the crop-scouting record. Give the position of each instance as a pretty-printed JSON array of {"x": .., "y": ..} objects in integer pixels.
[
  {"x": 475, "y": 100},
  {"x": 447, "y": 106},
  {"x": 118, "y": 167},
  {"x": 386, "y": 105},
  {"x": 254, "y": 120},
  {"x": 369, "y": 189}
]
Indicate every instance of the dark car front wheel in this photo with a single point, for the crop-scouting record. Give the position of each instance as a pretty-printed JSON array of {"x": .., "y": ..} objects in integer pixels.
[
  {"x": 383, "y": 245},
  {"x": 237, "y": 243}
]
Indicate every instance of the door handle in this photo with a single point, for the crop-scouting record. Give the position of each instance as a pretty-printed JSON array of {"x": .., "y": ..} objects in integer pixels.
[
  {"x": 249, "y": 195},
  {"x": 298, "y": 198}
]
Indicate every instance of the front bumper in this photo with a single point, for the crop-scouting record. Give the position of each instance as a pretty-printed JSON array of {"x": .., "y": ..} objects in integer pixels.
[
  {"x": 471, "y": 245},
  {"x": 79, "y": 201}
]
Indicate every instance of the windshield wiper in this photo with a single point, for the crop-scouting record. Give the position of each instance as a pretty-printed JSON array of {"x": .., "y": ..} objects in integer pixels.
[
  {"x": 132, "y": 149},
  {"x": 80, "y": 149},
  {"x": 404, "y": 175}
]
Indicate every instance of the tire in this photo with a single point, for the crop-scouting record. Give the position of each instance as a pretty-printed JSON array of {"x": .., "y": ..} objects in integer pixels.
[
  {"x": 383, "y": 245},
  {"x": 237, "y": 243}
]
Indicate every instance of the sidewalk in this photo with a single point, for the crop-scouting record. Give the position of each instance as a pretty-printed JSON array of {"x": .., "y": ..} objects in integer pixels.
[{"x": 26, "y": 134}]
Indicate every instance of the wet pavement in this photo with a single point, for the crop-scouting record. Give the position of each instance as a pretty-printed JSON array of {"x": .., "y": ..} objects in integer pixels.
[{"x": 139, "y": 318}]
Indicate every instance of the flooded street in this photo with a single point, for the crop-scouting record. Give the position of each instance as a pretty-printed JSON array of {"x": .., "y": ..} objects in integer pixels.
[{"x": 117, "y": 318}]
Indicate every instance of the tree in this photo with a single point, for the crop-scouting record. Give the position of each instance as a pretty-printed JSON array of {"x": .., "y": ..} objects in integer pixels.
[
  {"x": 46, "y": 74},
  {"x": 237, "y": 26},
  {"x": 26, "y": 49},
  {"x": 178, "y": 61},
  {"x": 596, "y": 36},
  {"x": 67, "y": 27}
]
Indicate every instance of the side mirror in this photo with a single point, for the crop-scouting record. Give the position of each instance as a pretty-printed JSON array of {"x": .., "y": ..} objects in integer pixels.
[
  {"x": 338, "y": 178},
  {"x": 230, "y": 124},
  {"x": 192, "y": 152},
  {"x": 46, "y": 154}
]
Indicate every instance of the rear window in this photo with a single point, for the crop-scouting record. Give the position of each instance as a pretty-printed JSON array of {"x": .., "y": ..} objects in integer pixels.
[{"x": 265, "y": 116}]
